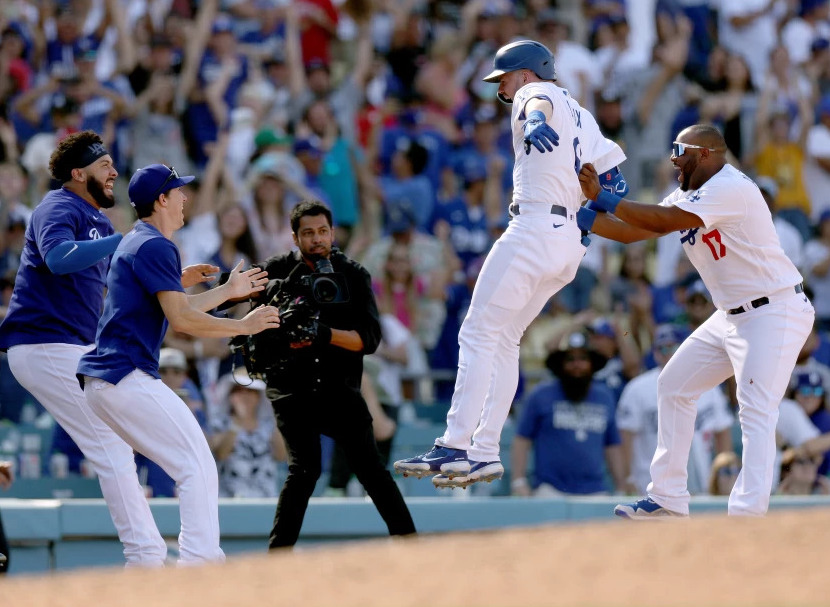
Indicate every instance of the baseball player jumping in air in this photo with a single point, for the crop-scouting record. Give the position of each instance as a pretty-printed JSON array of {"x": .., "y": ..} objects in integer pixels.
[
  {"x": 536, "y": 256},
  {"x": 120, "y": 374},
  {"x": 762, "y": 319}
]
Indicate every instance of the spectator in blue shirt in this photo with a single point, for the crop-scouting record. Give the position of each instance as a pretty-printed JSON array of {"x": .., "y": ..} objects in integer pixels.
[
  {"x": 569, "y": 423},
  {"x": 407, "y": 187},
  {"x": 808, "y": 390}
]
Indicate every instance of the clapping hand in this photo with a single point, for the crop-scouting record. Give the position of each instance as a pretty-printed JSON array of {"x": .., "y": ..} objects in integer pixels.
[{"x": 538, "y": 133}]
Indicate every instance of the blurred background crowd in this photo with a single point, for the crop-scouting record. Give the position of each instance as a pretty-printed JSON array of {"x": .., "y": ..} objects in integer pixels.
[{"x": 377, "y": 108}]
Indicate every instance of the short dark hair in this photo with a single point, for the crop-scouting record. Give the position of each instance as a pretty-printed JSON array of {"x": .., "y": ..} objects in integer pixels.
[
  {"x": 145, "y": 210},
  {"x": 418, "y": 157},
  {"x": 65, "y": 156},
  {"x": 310, "y": 208}
]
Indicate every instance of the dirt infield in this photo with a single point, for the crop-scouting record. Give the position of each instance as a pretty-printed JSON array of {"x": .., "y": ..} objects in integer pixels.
[{"x": 708, "y": 560}]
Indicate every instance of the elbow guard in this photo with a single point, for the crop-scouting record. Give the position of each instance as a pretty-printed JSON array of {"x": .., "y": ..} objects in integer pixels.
[{"x": 614, "y": 182}]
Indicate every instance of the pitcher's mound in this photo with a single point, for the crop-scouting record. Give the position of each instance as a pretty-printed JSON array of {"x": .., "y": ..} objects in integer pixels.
[{"x": 707, "y": 560}]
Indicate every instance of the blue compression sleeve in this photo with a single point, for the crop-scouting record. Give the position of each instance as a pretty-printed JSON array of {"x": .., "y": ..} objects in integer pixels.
[{"x": 75, "y": 255}]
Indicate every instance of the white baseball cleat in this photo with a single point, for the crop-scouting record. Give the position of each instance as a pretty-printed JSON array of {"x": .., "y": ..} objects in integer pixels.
[
  {"x": 479, "y": 471},
  {"x": 645, "y": 509}
]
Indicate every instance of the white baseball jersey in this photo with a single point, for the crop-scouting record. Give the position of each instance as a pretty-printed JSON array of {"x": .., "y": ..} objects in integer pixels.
[
  {"x": 552, "y": 177},
  {"x": 537, "y": 255},
  {"x": 737, "y": 253},
  {"x": 637, "y": 413}
]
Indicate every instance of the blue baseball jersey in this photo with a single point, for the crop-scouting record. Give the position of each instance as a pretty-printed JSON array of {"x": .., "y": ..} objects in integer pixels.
[
  {"x": 133, "y": 324},
  {"x": 469, "y": 229},
  {"x": 49, "y": 308},
  {"x": 569, "y": 439}
]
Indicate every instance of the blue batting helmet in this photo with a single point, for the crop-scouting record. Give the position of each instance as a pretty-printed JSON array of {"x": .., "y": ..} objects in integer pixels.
[{"x": 523, "y": 55}]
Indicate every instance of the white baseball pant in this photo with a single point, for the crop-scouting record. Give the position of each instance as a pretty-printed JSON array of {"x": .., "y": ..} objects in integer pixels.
[
  {"x": 151, "y": 418},
  {"x": 47, "y": 371},
  {"x": 527, "y": 265},
  {"x": 759, "y": 347}
]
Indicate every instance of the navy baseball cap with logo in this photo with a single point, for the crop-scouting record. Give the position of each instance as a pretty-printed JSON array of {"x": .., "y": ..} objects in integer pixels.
[
  {"x": 809, "y": 382},
  {"x": 149, "y": 183}
]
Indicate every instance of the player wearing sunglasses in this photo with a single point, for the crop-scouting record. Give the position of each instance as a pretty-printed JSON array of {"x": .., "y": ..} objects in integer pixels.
[{"x": 761, "y": 322}]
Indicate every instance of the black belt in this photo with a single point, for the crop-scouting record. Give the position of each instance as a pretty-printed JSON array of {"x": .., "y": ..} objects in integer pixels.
[
  {"x": 761, "y": 301},
  {"x": 555, "y": 209}
]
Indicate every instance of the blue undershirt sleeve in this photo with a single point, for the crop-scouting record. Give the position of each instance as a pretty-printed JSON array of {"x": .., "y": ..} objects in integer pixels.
[{"x": 74, "y": 255}]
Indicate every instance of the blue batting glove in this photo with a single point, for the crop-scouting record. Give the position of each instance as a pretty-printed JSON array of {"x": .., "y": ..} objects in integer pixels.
[
  {"x": 585, "y": 218},
  {"x": 538, "y": 133}
]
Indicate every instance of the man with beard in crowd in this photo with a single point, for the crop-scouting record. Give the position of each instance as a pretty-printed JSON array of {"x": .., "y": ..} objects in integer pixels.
[{"x": 569, "y": 423}]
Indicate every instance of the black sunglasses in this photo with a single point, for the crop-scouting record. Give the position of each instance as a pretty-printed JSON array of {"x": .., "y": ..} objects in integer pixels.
[{"x": 173, "y": 175}]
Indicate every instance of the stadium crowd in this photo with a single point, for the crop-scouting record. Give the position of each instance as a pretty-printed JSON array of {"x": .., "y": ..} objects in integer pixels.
[{"x": 378, "y": 109}]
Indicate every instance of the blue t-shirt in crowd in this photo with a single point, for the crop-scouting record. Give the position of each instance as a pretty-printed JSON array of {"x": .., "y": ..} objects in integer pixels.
[
  {"x": 399, "y": 137},
  {"x": 49, "y": 308},
  {"x": 569, "y": 439},
  {"x": 469, "y": 231},
  {"x": 821, "y": 420},
  {"x": 133, "y": 324},
  {"x": 413, "y": 193}
]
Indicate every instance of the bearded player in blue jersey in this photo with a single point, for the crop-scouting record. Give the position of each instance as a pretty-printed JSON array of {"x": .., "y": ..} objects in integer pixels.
[{"x": 51, "y": 321}]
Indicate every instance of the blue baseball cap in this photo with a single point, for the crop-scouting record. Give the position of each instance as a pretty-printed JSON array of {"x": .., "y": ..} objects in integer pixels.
[
  {"x": 399, "y": 217},
  {"x": 808, "y": 380},
  {"x": 668, "y": 335},
  {"x": 149, "y": 183},
  {"x": 602, "y": 327},
  {"x": 310, "y": 145},
  {"x": 473, "y": 168},
  {"x": 222, "y": 24},
  {"x": 698, "y": 288}
]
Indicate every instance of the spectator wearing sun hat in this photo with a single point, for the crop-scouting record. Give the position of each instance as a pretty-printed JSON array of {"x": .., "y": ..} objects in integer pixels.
[{"x": 244, "y": 439}]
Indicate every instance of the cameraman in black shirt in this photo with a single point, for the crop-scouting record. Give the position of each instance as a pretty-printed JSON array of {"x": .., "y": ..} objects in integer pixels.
[{"x": 314, "y": 381}]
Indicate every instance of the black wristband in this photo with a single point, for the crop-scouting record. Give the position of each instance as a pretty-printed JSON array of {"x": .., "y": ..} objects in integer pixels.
[{"x": 323, "y": 337}]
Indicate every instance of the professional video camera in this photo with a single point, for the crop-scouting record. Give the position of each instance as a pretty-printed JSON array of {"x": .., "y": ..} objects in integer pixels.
[
  {"x": 298, "y": 297},
  {"x": 325, "y": 285}
]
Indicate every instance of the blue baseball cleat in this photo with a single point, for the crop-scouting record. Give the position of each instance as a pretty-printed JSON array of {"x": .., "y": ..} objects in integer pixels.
[
  {"x": 645, "y": 509},
  {"x": 479, "y": 471},
  {"x": 439, "y": 460}
]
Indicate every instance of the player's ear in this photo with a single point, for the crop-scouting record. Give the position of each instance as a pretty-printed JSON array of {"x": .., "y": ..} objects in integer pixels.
[{"x": 78, "y": 175}]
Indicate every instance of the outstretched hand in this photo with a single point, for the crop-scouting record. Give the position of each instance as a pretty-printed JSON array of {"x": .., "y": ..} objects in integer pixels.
[
  {"x": 589, "y": 181},
  {"x": 198, "y": 273},
  {"x": 261, "y": 318},
  {"x": 538, "y": 133},
  {"x": 245, "y": 283}
]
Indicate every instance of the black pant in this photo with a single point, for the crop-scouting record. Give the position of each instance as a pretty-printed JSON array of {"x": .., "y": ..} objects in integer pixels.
[
  {"x": 341, "y": 473},
  {"x": 4, "y": 549},
  {"x": 343, "y": 416}
]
